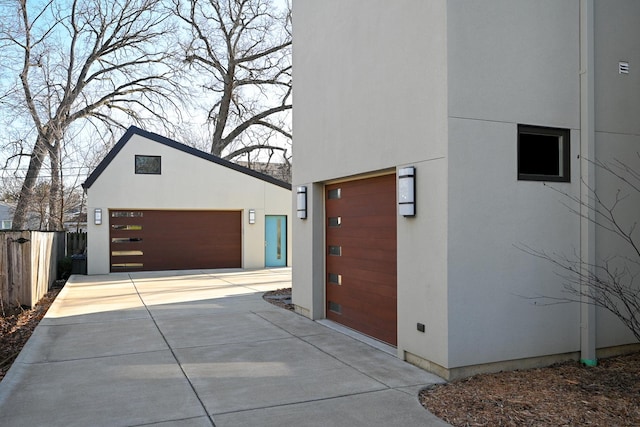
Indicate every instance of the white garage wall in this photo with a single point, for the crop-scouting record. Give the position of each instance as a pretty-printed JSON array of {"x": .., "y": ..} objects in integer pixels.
[{"x": 187, "y": 182}]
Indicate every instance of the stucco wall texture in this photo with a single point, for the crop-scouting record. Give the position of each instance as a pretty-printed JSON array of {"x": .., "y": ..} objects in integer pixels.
[{"x": 443, "y": 85}]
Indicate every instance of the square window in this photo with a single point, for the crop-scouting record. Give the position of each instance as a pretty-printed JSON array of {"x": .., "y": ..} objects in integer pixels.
[
  {"x": 149, "y": 165},
  {"x": 543, "y": 154}
]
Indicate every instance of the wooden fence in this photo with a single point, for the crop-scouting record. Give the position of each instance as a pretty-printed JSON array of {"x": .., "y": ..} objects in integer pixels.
[
  {"x": 76, "y": 243},
  {"x": 28, "y": 265}
]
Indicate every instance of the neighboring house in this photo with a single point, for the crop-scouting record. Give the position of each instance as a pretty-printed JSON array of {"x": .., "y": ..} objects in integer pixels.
[
  {"x": 156, "y": 204},
  {"x": 76, "y": 222},
  {"x": 491, "y": 103},
  {"x": 6, "y": 216},
  {"x": 281, "y": 171}
]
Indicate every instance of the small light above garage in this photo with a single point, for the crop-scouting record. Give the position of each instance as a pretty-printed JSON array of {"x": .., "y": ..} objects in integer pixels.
[
  {"x": 407, "y": 191},
  {"x": 252, "y": 216},
  {"x": 302, "y": 202}
]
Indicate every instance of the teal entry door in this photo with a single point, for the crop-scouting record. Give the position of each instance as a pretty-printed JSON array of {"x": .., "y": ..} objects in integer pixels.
[{"x": 275, "y": 241}]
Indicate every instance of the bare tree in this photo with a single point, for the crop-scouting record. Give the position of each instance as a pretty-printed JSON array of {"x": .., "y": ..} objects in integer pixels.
[
  {"x": 102, "y": 62},
  {"x": 611, "y": 282},
  {"x": 241, "y": 50}
]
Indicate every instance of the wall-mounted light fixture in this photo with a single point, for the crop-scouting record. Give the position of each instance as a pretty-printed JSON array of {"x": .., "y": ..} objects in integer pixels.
[
  {"x": 302, "y": 202},
  {"x": 407, "y": 191},
  {"x": 97, "y": 216},
  {"x": 252, "y": 216}
]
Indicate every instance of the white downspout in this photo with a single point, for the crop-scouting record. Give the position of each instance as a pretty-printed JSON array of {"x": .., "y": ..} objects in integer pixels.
[{"x": 587, "y": 180}]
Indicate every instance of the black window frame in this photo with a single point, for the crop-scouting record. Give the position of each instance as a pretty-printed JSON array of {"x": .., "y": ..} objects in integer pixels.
[
  {"x": 140, "y": 171},
  {"x": 565, "y": 161}
]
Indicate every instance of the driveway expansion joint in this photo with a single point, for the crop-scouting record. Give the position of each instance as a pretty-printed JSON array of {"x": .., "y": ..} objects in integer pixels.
[
  {"x": 332, "y": 356},
  {"x": 173, "y": 354},
  {"x": 104, "y": 356},
  {"x": 302, "y": 402}
]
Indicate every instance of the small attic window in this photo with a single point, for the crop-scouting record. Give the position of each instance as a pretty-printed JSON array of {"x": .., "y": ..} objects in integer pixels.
[{"x": 148, "y": 165}]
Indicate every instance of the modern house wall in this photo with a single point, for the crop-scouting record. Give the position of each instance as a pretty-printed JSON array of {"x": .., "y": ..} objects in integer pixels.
[
  {"x": 512, "y": 63},
  {"x": 442, "y": 86},
  {"x": 188, "y": 182},
  {"x": 616, "y": 130}
]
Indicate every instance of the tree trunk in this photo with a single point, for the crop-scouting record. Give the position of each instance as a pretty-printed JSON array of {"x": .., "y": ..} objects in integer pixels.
[
  {"x": 54, "y": 220},
  {"x": 31, "y": 179},
  {"x": 218, "y": 143}
]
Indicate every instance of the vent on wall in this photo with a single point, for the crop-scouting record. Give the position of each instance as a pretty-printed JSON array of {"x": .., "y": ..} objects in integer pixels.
[{"x": 623, "y": 67}]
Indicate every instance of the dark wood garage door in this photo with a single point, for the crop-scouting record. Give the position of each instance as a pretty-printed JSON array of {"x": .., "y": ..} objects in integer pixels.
[
  {"x": 361, "y": 284},
  {"x": 174, "y": 240}
]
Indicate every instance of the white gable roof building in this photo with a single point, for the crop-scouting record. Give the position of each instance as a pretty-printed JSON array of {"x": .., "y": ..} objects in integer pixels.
[{"x": 156, "y": 204}]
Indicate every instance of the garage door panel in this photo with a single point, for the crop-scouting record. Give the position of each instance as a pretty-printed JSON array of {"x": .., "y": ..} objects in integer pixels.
[
  {"x": 126, "y": 259},
  {"x": 361, "y": 255},
  {"x": 376, "y": 266},
  {"x": 379, "y": 286},
  {"x": 381, "y": 333},
  {"x": 384, "y": 240},
  {"x": 353, "y": 317},
  {"x": 356, "y": 307},
  {"x": 361, "y": 208},
  {"x": 121, "y": 236},
  {"x": 176, "y": 240},
  {"x": 365, "y": 293},
  {"x": 370, "y": 249},
  {"x": 381, "y": 277},
  {"x": 362, "y": 188},
  {"x": 358, "y": 233},
  {"x": 383, "y": 237}
]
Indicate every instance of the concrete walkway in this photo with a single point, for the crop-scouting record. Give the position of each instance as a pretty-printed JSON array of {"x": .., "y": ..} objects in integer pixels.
[{"x": 200, "y": 348}]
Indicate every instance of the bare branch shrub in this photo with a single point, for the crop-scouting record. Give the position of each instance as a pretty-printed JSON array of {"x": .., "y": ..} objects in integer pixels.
[{"x": 611, "y": 282}]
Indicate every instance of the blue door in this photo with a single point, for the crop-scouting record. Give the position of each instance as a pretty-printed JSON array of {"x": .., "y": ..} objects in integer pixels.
[{"x": 275, "y": 241}]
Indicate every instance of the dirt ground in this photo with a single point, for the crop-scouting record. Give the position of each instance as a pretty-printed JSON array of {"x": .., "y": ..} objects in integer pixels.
[
  {"x": 566, "y": 394},
  {"x": 17, "y": 325}
]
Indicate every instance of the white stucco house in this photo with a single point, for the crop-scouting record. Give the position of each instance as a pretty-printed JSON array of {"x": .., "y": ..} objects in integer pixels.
[
  {"x": 428, "y": 136},
  {"x": 156, "y": 204}
]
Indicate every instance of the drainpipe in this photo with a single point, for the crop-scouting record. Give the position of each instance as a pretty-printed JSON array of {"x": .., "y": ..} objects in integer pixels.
[{"x": 587, "y": 180}]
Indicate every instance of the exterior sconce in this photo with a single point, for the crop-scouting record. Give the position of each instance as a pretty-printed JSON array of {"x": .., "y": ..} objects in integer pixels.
[
  {"x": 407, "y": 191},
  {"x": 252, "y": 216},
  {"x": 97, "y": 216},
  {"x": 302, "y": 202}
]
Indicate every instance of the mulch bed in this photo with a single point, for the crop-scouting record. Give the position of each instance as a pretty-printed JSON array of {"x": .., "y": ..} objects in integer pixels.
[
  {"x": 16, "y": 326},
  {"x": 566, "y": 394},
  {"x": 280, "y": 297}
]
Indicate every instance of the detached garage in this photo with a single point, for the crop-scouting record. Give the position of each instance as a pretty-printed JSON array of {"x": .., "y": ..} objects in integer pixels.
[{"x": 156, "y": 204}]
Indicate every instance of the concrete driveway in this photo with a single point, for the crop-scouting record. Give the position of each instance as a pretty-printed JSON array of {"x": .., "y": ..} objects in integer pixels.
[{"x": 200, "y": 348}]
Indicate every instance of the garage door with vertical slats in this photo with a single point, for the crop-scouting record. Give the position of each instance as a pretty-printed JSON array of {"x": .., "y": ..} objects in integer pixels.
[
  {"x": 150, "y": 240},
  {"x": 361, "y": 282}
]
